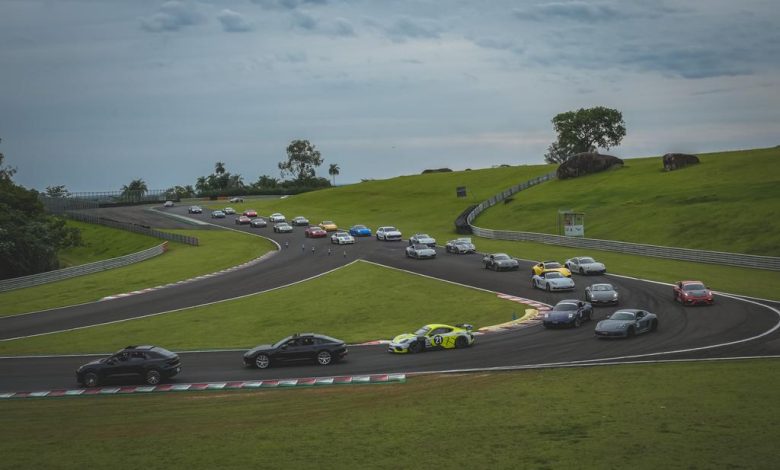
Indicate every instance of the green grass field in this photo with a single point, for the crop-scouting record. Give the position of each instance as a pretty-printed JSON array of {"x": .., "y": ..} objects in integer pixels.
[
  {"x": 180, "y": 262},
  {"x": 100, "y": 243},
  {"x": 729, "y": 202},
  {"x": 686, "y": 416},
  {"x": 335, "y": 304}
]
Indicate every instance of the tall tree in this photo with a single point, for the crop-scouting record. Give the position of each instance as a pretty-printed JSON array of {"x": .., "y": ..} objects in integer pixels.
[
  {"x": 56, "y": 191},
  {"x": 265, "y": 182},
  {"x": 585, "y": 130},
  {"x": 302, "y": 159},
  {"x": 201, "y": 184},
  {"x": 219, "y": 168},
  {"x": 333, "y": 171},
  {"x": 6, "y": 172},
  {"x": 135, "y": 190}
]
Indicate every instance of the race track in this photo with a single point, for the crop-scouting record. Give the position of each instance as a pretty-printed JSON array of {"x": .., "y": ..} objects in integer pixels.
[{"x": 684, "y": 333}]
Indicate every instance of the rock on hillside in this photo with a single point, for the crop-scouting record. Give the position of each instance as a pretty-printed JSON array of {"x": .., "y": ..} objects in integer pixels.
[
  {"x": 586, "y": 163},
  {"x": 673, "y": 161}
]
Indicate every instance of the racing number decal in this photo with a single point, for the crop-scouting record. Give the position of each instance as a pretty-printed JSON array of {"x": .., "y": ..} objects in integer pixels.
[{"x": 437, "y": 340}]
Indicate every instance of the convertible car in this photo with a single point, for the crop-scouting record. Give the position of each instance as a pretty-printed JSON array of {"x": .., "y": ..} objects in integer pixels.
[{"x": 539, "y": 268}]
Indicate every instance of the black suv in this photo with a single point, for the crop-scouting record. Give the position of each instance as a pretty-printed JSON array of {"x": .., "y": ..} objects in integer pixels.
[
  {"x": 298, "y": 347},
  {"x": 152, "y": 364}
]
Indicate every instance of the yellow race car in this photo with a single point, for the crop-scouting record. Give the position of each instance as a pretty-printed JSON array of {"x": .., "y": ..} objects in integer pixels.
[
  {"x": 433, "y": 336},
  {"x": 328, "y": 226},
  {"x": 539, "y": 268}
]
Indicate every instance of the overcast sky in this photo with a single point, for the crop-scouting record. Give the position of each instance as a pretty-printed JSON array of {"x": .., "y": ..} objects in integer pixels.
[{"x": 95, "y": 93}]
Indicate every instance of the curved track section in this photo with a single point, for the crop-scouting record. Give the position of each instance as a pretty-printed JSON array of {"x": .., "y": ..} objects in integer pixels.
[{"x": 685, "y": 332}]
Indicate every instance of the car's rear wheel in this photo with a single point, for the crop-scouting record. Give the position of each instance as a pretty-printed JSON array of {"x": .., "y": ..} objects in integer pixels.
[
  {"x": 91, "y": 379},
  {"x": 324, "y": 358},
  {"x": 461, "y": 342},
  {"x": 262, "y": 361},
  {"x": 416, "y": 347},
  {"x": 153, "y": 377}
]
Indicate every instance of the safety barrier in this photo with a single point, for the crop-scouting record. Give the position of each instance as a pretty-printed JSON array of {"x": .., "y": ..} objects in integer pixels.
[
  {"x": 681, "y": 254},
  {"x": 90, "y": 268},
  {"x": 142, "y": 229}
]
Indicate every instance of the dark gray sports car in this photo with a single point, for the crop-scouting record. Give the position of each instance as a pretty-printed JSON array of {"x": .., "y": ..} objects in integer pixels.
[
  {"x": 626, "y": 323},
  {"x": 601, "y": 294}
]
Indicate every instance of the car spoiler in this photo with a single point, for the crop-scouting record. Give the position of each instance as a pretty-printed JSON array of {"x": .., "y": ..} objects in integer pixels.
[{"x": 466, "y": 326}]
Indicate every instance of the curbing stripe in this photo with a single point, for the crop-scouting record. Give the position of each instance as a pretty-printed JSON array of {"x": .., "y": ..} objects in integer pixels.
[{"x": 194, "y": 387}]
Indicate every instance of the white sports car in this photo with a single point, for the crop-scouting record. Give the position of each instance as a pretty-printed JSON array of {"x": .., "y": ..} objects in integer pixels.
[
  {"x": 388, "y": 233},
  {"x": 342, "y": 238},
  {"x": 277, "y": 217},
  {"x": 422, "y": 239},
  {"x": 552, "y": 280},
  {"x": 585, "y": 265}
]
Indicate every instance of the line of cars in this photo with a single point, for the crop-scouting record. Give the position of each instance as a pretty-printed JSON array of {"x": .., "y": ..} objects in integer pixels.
[{"x": 153, "y": 364}]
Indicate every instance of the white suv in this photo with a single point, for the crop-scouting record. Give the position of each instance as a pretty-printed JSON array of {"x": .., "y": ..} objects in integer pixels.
[{"x": 388, "y": 233}]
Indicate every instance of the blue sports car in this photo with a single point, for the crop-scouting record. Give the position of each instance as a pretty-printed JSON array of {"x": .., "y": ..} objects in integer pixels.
[
  {"x": 571, "y": 312},
  {"x": 360, "y": 231}
]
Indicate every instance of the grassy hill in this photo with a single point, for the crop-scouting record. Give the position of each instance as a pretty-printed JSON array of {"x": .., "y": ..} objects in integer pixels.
[
  {"x": 100, "y": 242},
  {"x": 729, "y": 202}
]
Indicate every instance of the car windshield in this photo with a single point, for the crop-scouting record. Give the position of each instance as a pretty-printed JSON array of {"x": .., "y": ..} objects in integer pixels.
[
  {"x": 423, "y": 331},
  {"x": 463, "y": 242},
  {"x": 622, "y": 316},
  {"x": 501, "y": 257},
  {"x": 420, "y": 247},
  {"x": 553, "y": 275},
  {"x": 693, "y": 287},
  {"x": 587, "y": 260},
  {"x": 602, "y": 288},
  {"x": 359, "y": 227},
  {"x": 552, "y": 265},
  {"x": 327, "y": 222},
  {"x": 565, "y": 307},
  {"x": 390, "y": 229},
  {"x": 422, "y": 235}
]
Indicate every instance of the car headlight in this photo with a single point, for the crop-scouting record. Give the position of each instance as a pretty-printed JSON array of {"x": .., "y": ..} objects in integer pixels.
[
  {"x": 546, "y": 316},
  {"x": 614, "y": 296}
]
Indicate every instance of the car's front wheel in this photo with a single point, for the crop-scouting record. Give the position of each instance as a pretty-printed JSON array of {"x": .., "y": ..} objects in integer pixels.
[
  {"x": 91, "y": 379},
  {"x": 153, "y": 377},
  {"x": 548, "y": 288},
  {"x": 324, "y": 358},
  {"x": 415, "y": 347},
  {"x": 262, "y": 361}
]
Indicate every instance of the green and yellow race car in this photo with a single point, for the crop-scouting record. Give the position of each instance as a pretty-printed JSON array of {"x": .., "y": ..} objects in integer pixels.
[{"x": 433, "y": 336}]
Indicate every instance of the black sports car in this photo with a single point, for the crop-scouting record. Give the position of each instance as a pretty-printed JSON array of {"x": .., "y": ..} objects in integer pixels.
[
  {"x": 570, "y": 312},
  {"x": 152, "y": 364},
  {"x": 296, "y": 348}
]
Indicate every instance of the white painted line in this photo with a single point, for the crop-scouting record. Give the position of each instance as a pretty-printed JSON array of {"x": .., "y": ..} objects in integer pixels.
[{"x": 183, "y": 308}]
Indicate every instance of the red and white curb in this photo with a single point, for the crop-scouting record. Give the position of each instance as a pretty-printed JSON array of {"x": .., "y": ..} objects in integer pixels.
[
  {"x": 198, "y": 278},
  {"x": 197, "y": 387}
]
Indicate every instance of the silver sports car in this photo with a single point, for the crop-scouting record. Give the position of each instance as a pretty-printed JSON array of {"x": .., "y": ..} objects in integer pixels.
[
  {"x": 626, "y": 323},
  {"x": 420, "y": 251},
  {"x": 601, "y": 294},
  {"x": 460, "y": 246},
  {"x": 585, "y": 265},
  {"x": 500, "y": 262},
  {"x": 551, "y": 281}
]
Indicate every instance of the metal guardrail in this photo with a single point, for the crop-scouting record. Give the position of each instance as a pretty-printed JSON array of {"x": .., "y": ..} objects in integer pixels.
[
  {"x": 92, "y": 219},
  {"x": 682, "y": 254},
  {"x": 67, "y": 273}
]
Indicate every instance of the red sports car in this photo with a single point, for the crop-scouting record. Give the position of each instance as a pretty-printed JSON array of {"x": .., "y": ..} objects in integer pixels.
[
  {"x": 250, "y": 213},
  {"x": 315, "y": 232},
  {"x": 242, "y": 220},
  {"x": 692, "y": 293}
]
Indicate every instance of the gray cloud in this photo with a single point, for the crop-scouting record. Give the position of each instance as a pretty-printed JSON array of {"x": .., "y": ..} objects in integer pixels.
[
  {"x": 234, "y": 22},
  {"x": 342, "y": 27},
  {"x": 690, "y": 62},
  {"x": 574, "y": 11},
  {"x": 405, "y": 28},
  {"x": 288, "y": 4},
  {"x": 171, "y": 16},
  {"x": 304, "y": 21}
]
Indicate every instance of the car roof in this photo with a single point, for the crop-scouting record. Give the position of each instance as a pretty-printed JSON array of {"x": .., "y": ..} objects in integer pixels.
[
  {"x": 692, "y": 282},
  {"x": 433, "y": 326},
  {"x": 603, "y": 284}
]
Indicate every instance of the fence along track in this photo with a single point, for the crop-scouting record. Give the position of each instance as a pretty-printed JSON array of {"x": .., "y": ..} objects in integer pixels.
[
  {"x": 81, "y": 270},
  {"x": 681, "y": 254}
]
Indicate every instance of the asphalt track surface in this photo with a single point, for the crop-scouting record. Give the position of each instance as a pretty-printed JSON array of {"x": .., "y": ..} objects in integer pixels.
[{"x": 731, "y": 328}]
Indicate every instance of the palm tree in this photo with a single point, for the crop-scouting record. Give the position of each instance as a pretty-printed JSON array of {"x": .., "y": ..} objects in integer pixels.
[
  {"x": 135, "y": 190},
  {"x": 333, "y": 171},
  {"x": 219, "y": 168},
  {"x": 200, "y": 184}
]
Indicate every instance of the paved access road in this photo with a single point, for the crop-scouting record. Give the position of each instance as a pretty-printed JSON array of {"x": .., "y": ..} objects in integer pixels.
[{"x": 682, "y": 329}]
